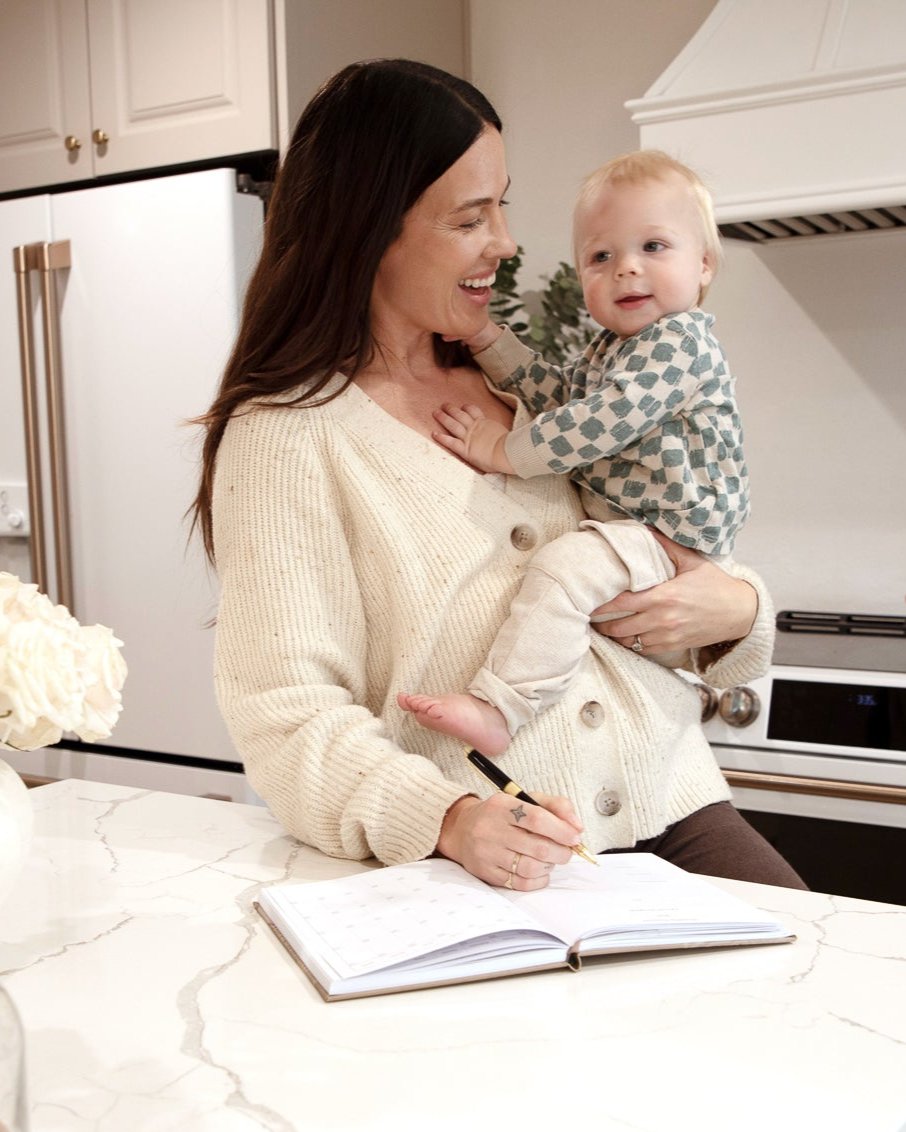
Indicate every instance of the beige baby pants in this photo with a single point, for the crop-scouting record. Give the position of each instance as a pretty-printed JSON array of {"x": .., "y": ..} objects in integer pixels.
[{"x": 539, "y": 648}]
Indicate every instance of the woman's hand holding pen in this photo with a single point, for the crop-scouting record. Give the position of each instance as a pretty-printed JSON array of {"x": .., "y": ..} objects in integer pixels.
[{"x": 507, "y": 843}]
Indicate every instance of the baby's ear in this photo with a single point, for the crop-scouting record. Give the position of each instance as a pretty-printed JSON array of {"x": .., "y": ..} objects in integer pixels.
[{"x": 709, "y": 268}]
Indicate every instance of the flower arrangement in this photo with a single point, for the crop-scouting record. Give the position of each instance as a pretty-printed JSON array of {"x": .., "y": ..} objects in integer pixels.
[{"x": 55, "y": 674}]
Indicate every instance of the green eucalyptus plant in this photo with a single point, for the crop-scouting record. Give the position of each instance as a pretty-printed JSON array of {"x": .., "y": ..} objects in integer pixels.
[{"x": 562, "y": 329}]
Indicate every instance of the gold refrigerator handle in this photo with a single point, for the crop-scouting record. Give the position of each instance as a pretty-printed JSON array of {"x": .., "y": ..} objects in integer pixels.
[
  {"x": 37, "y": 544},
  {"x": 45, "y": 258},
  {"x": 821, "y": 787}
]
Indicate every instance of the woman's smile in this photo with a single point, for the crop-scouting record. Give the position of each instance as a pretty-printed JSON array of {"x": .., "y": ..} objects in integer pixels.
[{"x": 478, "y": 289}]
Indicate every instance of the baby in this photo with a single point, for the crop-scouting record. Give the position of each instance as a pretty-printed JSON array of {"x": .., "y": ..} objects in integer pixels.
[{"x": 645, "y": 421}]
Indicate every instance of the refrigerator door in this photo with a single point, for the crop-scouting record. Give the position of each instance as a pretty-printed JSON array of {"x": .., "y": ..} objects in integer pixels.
[
  {"x": 148, "y": 315},
  {"x": 23, "y": 221}
]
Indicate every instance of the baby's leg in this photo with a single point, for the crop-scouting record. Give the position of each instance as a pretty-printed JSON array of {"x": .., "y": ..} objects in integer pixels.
[
  {"x": 646, "y": 561},
  {"x": 464, "y": 717},
  {"x": 542, "y": 643}
]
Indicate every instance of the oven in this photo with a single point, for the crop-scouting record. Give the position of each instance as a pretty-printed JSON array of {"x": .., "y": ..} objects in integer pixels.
[{"x": 815, "y": 751}]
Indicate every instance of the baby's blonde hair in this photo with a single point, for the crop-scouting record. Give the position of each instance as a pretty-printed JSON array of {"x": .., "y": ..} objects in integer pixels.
[{"x": 644, "y": 165}]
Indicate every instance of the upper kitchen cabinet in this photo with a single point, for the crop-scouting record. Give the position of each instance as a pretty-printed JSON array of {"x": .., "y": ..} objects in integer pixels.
[
  {"x": 94, "y": 88},
  {"x": 90, "y": 88}
]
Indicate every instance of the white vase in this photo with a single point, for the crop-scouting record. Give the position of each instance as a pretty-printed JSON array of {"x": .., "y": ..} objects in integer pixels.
[{"x": 15, "y": 826}]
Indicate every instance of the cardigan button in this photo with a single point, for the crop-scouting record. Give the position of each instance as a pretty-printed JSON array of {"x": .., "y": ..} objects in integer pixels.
[
  {"x": 523, "y": 537},
  {"x": 592, "y": 714},
  {"x": 608, "y": 803}
]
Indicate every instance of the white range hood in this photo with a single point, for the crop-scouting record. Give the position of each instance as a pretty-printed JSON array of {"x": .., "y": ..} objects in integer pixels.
[{"x": 793, "y": 112}]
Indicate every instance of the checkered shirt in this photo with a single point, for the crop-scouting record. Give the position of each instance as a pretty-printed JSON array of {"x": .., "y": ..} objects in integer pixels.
[{"x": 649, "y": 423}]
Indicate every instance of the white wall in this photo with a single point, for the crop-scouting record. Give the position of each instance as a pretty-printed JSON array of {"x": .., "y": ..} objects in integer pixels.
[
  {"x": 815, "y": 333},
  {"x": 558, "y": 74},
  {"x": 316, "y": 38}
]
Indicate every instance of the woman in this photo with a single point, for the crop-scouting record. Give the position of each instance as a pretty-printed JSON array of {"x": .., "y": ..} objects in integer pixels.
[{"x": 358, "y": 557}]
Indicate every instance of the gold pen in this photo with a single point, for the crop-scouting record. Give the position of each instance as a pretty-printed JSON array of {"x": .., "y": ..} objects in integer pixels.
[{"x": 503, "y": 782}]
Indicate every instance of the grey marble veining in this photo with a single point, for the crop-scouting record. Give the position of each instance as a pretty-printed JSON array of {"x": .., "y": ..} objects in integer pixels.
[{"x": 154, "y": 998}]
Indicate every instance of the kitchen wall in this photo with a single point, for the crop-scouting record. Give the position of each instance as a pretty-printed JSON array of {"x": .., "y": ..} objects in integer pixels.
[
  {"x": 817, "y": 338},
  {"x": 813, "y": 329},
  {"x": 559, "y": 73},
  {"x": 318, "y": 37}
]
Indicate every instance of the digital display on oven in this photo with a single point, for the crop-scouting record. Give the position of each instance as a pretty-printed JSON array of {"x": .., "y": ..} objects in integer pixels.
[{"x": 842, "y": 715}]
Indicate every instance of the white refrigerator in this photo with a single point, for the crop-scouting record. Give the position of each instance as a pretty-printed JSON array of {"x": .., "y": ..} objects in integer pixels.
[{"x": 120, "y": 304}]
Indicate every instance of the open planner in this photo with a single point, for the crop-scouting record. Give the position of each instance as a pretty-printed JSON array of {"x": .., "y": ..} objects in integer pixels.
[{"x": 431, "y": 923}]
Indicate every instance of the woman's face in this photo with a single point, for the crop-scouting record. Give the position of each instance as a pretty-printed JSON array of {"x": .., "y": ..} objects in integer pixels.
[{"x": 437, "y": 276}]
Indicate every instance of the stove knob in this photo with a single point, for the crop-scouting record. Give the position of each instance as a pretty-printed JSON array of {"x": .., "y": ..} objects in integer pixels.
[
  {"x": 708, "y": 697},
  {"x": 739, "y": 706}
]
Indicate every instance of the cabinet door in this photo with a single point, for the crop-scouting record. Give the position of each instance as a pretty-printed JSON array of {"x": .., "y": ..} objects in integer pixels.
[
  {"x": 179, "y": 80},
  {"x": 45, "y": 94}
]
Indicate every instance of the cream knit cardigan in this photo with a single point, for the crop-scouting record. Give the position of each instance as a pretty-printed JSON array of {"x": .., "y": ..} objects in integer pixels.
[{"x": 357, "y": 559}]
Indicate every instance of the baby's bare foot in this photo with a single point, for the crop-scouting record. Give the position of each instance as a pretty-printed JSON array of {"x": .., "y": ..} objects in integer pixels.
[{"x": 463, "y": 716}]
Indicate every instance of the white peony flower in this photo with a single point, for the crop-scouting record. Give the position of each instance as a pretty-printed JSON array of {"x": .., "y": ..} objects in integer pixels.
[{"x": 55, "y": 674}]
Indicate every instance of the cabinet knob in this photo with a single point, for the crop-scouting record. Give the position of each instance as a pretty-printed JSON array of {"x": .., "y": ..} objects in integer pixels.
[
  {"x": 72, "y": 143},
  {"x": 100, "y": 137}
]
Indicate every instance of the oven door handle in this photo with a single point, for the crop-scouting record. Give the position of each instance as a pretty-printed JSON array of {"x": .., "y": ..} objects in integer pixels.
[{"x": 821, "y": 787}]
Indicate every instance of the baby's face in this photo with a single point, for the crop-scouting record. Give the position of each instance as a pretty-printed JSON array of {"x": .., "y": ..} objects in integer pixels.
[{"x": 641, "y": 253}]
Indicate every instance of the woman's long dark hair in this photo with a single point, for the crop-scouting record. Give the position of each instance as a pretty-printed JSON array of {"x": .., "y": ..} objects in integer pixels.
[{"x": 367, "y": 146}]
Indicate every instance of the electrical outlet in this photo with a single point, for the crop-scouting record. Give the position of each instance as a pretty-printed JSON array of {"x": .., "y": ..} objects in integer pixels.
[{"x": 14, "y": 520}]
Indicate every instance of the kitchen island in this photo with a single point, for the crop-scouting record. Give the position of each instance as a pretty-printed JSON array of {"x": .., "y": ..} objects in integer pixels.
[{"x": 153, "y": 997}]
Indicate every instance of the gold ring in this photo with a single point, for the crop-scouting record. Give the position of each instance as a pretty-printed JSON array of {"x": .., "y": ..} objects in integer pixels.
[
  {"x": 637, "y": 645},
  {"x": 508, "y": 883},
  {"x": 515, "y": 864}
]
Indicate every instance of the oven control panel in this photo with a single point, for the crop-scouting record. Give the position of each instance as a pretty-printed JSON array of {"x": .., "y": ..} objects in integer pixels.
[{"x": 817, "y": 710}]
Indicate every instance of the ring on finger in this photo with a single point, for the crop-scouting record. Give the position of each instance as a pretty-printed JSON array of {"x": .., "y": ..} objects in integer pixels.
[
  {"x": 508, "y": 883},
  {"x": 637, "y": 645},
  {"x": 514, "y": 868}
]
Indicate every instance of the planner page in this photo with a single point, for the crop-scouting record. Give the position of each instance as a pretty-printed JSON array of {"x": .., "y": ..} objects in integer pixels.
[
  {"x": 637, "y": 897},
  {"x": 386, "y": 918}
]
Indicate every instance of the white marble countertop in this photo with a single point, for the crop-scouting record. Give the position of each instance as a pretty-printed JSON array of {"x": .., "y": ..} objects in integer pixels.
[{"x": 154, "y": 998}]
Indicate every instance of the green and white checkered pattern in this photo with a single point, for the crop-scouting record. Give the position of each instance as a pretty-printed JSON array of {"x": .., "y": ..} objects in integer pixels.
[{"x": 651, "y": 424}]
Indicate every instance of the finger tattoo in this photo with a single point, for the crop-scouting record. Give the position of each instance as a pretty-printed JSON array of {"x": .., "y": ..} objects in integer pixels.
[{"x": 518, "y": 814}]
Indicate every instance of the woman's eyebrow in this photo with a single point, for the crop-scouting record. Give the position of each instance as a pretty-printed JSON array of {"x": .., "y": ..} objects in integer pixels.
[{"x": 480, "y": 202}]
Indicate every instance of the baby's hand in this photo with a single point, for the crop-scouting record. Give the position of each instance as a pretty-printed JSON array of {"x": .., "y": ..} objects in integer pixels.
[
  {"x": 472, "y": 436},
  {"x": 485, "y": 337}
]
